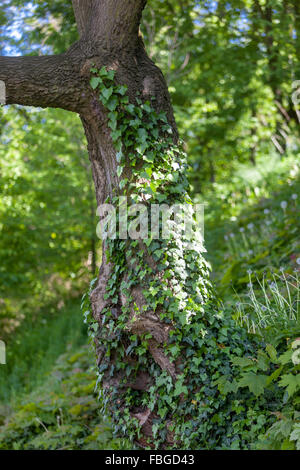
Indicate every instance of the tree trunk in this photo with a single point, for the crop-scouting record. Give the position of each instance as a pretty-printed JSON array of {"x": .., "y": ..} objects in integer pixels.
[{"x": 141, "y": 77}]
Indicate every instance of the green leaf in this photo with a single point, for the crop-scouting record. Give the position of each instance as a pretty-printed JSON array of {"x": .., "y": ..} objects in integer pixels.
[
  {"x": 141, "y": 148},
  {"x": 142, "y": 134},
  {"x": 123, "y": 183},
  {"x": 122, "y": 90},
  {"x": 286, "y": 357},
  {"x": 272, "y": 352},
  {"x": 274, "y": 375},
  {"x": 119, "y": 156},
  {"x": 149, "y": 157},
  {"x": 107, "y": 92},
  {"x": 103, "y": 72},
  {"x": 110, "y": 74},
  {"x": 295, "y": 435},
  {"x": 179, "y": 389},
  {"x": 115, "y": 135},
  {"x": 263, "y": 361},
  {"x": 291, "y": 382},
  {"x": 113, "y": 124},
  {"x": 112, "y": 104},
  {"x": 242, "y": 361},
  {"x": 255, "y": 382},
  {"x": 95, "y": 81},
  {"x": 130, "y": 108}
]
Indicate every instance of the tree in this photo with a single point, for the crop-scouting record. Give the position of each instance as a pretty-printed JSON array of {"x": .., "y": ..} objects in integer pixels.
[{"x": 161, "y": 339}]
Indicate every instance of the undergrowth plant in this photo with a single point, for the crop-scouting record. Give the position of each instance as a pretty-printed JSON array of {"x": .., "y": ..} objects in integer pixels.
[
  {"x": 60, "y": 414},
  {"x": 271, "y": 304}
]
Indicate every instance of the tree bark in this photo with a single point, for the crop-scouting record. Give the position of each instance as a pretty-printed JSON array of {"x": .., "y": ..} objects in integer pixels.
[
  {"x": 50, "y": 81},
  {"x": 115, "y": 23}
]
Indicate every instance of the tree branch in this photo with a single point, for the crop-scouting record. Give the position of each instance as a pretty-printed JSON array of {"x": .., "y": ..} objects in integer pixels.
[
  {"x": 62, "y": 81},
  {"x": 49, "y": 81}
]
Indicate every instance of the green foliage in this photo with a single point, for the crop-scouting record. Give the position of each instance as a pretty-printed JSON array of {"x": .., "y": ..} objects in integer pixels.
[
  {"x": 34, "y": 348},
  {"x": 50, "y": 25},
  {"x": 270, "y": 371},
  {"x": 230, "y": 69},
  {"x": 264, "y": 234},
  {"x": 272, "y": 307},
  {"x": 47, "y": 213},
  {"x": 264, "y": 241},
  {"x": 256, "y": 267}
]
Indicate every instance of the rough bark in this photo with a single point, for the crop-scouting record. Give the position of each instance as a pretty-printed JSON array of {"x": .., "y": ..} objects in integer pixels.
[
  {"x": 114, "y": 22},
  {"x": 50, "y": 81}
]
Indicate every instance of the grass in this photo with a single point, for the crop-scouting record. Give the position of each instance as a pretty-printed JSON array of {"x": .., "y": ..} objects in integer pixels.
[{"x": 271, "y": 306}]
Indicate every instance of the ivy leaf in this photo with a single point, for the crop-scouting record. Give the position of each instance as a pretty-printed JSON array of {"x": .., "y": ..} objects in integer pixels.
[
  {"x": 148, "y": 171},
  {"x": 141, "y": 148},
  {"x": 113, "y": 124},
  {"x": 112, "y": 104},
  {"x": 146, "y": 106},
  {"x": 107, "y": 92},
  {"x": 95, "y": 81},
  {"x": 119, "y": 156},
  {"x": 116, "y": 135},
  {"x": 113, "y": 116},
  {"x": 142, "y": 134},
  {"x": 94, "y": 327},
  {"x": 162, "y": 117},
  {"x": 179, "y": 389},
  {"x": 155, "y": 132},
  {"x": 124, "y": 100},
  {"x": 122, "y": 90},
  {"x": 135, "y": 123},
  {"x": 161, "y": 197},
  {"x": 123, "y": 183},
  {"x": 110, "y": 74},
  {"x": 130, "y": 109},
  {"x": 149, "y": 157}
]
